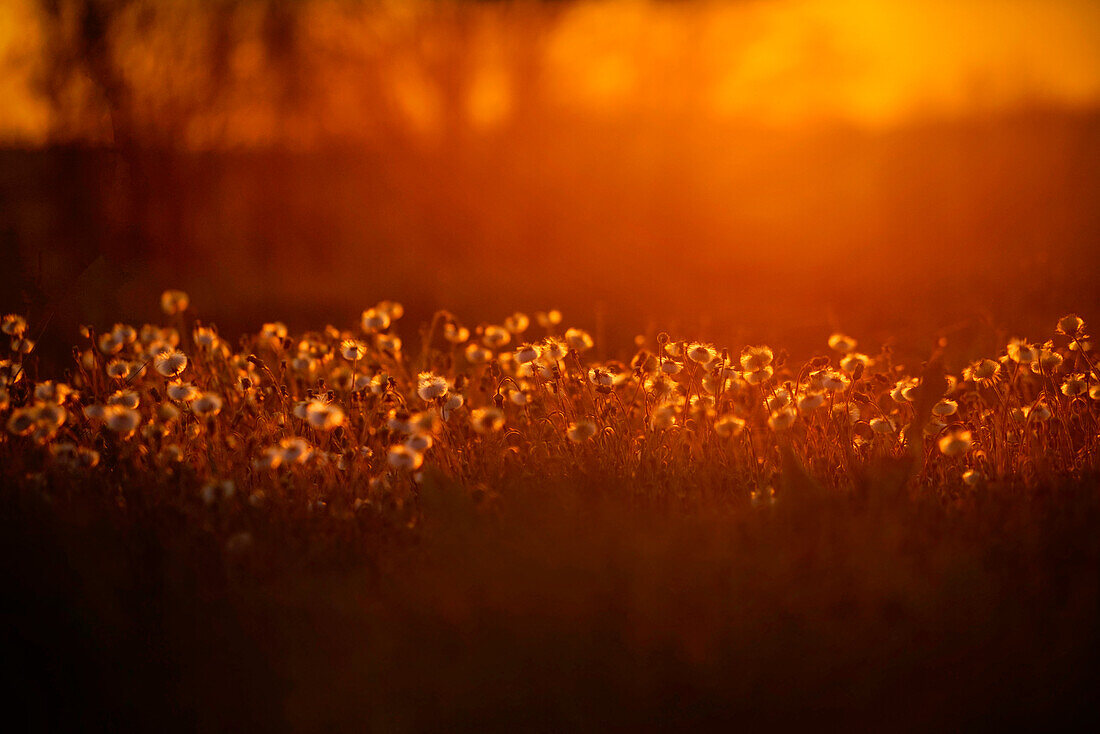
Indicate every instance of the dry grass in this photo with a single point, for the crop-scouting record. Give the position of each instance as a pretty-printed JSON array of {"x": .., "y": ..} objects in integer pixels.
[{"x": 487, "y": 527}]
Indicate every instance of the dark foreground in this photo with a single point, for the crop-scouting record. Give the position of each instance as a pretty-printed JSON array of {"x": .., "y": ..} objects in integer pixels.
[{"x": 555, "y": 608}]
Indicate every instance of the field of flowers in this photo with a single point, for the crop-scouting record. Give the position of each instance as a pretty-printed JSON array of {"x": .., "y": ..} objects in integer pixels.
[{"x": 487, "y": 525}]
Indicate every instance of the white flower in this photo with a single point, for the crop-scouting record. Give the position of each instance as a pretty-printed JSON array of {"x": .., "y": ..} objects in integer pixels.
[{"x": 170, "y": 363}]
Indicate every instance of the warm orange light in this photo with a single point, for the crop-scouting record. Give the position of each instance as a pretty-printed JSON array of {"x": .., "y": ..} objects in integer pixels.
[{"x": 774, "y": 63}]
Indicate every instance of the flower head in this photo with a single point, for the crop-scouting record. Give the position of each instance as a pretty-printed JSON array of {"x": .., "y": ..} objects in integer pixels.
[
  {"x": 955, "y": 442},
  {"x": 174, "y": 302},
  {"x": 170, "y": 363},
  {"x": 581, "y": 430},
  {"x": 431, "y": 386}
]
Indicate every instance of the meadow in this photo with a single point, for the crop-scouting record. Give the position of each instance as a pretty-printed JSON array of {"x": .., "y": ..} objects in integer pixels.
[
  {"x": 484, "y": 525},
  {"x": 598, "y": 365}
]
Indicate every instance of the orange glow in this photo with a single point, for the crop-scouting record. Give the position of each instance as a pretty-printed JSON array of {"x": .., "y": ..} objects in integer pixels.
[
  {"x": 775, "y": 63},
  {"x": 841, "y": 158}
]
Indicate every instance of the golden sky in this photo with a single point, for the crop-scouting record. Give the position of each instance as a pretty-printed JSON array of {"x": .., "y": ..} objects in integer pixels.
[{"x": 872, "y": 63}]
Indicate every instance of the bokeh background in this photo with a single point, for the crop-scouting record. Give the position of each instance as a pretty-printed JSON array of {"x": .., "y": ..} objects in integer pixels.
[{"x": 768, "y": 169}]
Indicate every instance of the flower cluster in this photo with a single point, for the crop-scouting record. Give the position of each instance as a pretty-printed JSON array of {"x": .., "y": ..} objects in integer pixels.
[{"x": 354, "y": 411}]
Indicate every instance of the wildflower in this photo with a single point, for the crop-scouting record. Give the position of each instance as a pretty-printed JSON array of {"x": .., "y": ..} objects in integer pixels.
[
  {"x": 729, "y": 425},
  {"x": 426, "y": 421},
  {"x": 955, "y": 443},
  {"x": 882, "y": 425},
  {"x": 972, "y": 477},
  {"x": 391, "y": 309},
  {"x": 324, "y": 416},
  {"x": 933, "y": 427},
  {"x": 701, "y": 353},
  {"x": 404, "y": 459},
  {"x": 270, "y": 460},
  {"x": 170, "y": 364},
  {"x": 548, "y": 319},
  {"x": 295, "y": 450},
  {"x": 984, "y": 372},
  {"x": 419, "y": 442},
  {"x": 581, "y": 430},
  {"x": 303, "y": 362},
  {"x": 454, "y": 333},
  {"x": 661, "y": 388},
  {"x": 1074, "y": 385},
  {"x": 756, "y": 359},
  {"x": 123, "y": 421},
  {"x": 600, "y": 377},
  {"x": 273, "y": 331},
  {"x": 1038, "y": 412},
  {"x": 495, "y": 337},
  {"x": 108, "y": 344},
  {"x": 519, "y": 397},
  {"x": 125, "y": 398},
  {"x": 517, "y": 323},
  {"x": 852, "y": 412},
  {"x": 374, "y": 320},
  {"x": 206, "y": 405},
  {"x": 781, "y": 399},
  {"x": 853, "y": 361},
  {"x": 22, "y": 345},
  {"x": 1071, "y": 325},
  {"x": 527, "y": 353},
  {"x": 1022, "y": 352},
  {"x": 782, "y": 419},
  {"x": 212, "y": 492},
  {"x": 1049, "y": 360},
  {"x": 670, "y": 367},
  {"x": 811, "y": 401},
  {"x": 453, "y": 402},
  {"x": 477, "y": 354},
  {"x": 399, "y": 421},
  {"x": 663, "y": 417},
  {"x": 120, "y": 369},
  {"x": 945, "y": 407},
  {"x": 21, "y": 421},
  {"x": 903, "y": 391},
  {"x": 430, "y": 386},
  {"x": 166, "y": 412},
  {"x": 578, "y": 340},
  {"x": 553, "y": 349},
  {"x": 123, "y": 333},
  {"x": 842, "y": 343},
  {"x": 832, "y": 381},
  {"x": 760, "y": 376},
  {"x": 486, "y": 420},
  {"x": 352, "y": 350},
  {"x": 174, "y": 302},
  {"x": 54, "y": 392},
  {"x": 70, "y": 456},
  {"x": 13, "y": 325},
  {"x": 388, "y": 343},
  {"x": 205, "y": 337},
  {"x": 182, "y": 391},
  {"x": 715, "y": 382}
]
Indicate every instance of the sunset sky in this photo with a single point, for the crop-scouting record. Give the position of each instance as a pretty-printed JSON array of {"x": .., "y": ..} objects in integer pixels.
[{"x": 873, "y": 64}]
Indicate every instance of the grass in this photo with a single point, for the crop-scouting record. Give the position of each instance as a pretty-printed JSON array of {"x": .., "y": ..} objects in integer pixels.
[{"x": 694, "y": 536}]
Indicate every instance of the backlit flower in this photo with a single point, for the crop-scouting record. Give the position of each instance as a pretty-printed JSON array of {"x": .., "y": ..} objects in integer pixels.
[
  {"x": 173, "y": 302},
  {"x": 955, "y": 442},
  {"x": 170, "y": 364}
]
